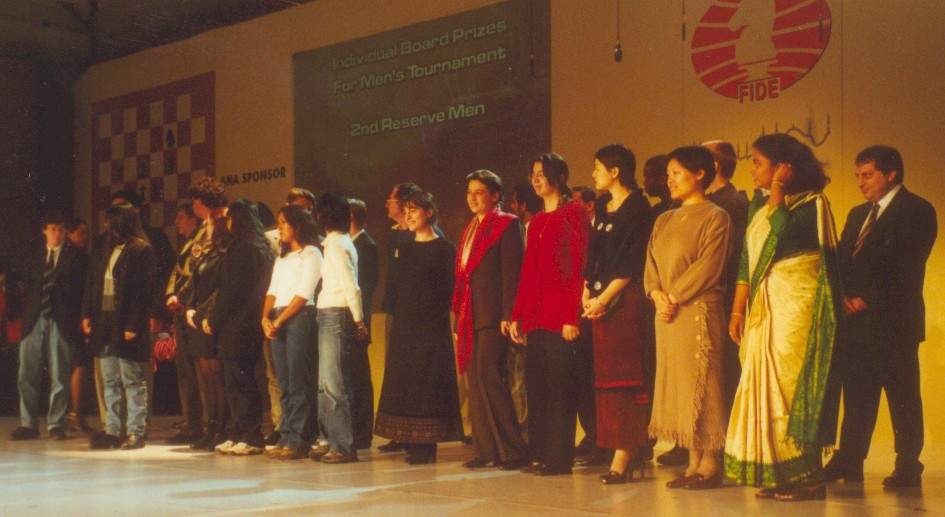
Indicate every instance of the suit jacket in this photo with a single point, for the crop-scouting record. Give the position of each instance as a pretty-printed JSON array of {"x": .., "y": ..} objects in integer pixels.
[
  {"x": 367, "y": 269},
  {"x": 889, "y": 271},
  {"x": 495, "y": 281},
  {"x": 134, "y": 276},
  {"x": 66, "y": 296},
  {"x": 234, "y": 312}
]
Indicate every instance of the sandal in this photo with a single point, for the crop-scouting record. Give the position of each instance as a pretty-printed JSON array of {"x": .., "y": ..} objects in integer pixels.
[{"x": 802, "y": 493}]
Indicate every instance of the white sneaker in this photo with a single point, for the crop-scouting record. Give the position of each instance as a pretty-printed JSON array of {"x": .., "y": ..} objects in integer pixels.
[
  {"x": 225, "y": 447},
  {"x": 245, "y": 449}
]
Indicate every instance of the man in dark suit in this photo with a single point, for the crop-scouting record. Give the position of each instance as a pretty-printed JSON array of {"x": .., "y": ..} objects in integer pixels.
[
  {"x": 54, "y": 285},
  {"x": 882, "y": 252},
  {"x": 735, "y": 202},
  {"x": 363, "y": 390}
]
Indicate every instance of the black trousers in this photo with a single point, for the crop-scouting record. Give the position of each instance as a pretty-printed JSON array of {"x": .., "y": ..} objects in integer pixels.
[
  {"x": 243, "y": 400},
  {"x": 362, "y": 392},
  {"x": 585, "y": 398},
  {"x": 190, "y": 407},
  {"x": 871, "y": 368},
  {"x": 549, "y": 375},
  {"x": 495, "y": 431}
]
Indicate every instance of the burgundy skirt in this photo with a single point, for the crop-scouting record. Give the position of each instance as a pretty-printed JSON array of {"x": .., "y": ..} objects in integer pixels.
[{"x": 621, "y": 395}]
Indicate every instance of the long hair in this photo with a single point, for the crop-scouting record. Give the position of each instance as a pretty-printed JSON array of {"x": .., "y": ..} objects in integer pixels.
[
  {"x": 245, "y": 225},
  {"x": 301, "y": 222},
  {"x": 124, "y": 225},
  {"x": 808, "y": 170}
]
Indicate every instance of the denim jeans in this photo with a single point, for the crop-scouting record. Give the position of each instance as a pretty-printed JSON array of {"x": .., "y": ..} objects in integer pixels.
[
  {"x": 335, "y": 342},
  {"x": 131, "y": 377},
  {"x": 293, "y": 355},
  {"x": 44, "y": 340}
]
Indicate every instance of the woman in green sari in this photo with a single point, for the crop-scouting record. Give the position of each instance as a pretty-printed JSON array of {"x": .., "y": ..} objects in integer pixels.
[{"x": 784, "y": 317}]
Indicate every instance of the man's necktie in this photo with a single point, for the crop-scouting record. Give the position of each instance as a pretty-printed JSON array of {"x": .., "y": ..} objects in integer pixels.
[
  {"x": 45, "y": 303},
  {"x": 870, "y": 221}
]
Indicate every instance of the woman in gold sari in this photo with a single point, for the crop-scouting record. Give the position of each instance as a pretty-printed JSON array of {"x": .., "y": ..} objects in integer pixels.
[{"x": 784, "y": 317}]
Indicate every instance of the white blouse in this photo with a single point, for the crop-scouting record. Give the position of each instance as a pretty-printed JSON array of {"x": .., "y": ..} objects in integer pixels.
[
  {"x": 296, "y": 274},
  {"x": 340, "y": 275}
]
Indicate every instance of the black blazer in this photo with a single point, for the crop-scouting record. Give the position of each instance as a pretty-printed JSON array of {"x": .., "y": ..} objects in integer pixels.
[
  {"x": 235, "y": 311},
  {"x": 66, "y": 297},
  {"x": 134, "y": 276},
  {"x": 367, "y": 269},
  {"x": 495, "y": 282},
  {"x": 889, "y": 272}
]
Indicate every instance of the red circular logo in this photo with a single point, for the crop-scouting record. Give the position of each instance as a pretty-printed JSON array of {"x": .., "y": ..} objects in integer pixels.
[{"x": 752, "y": 50}]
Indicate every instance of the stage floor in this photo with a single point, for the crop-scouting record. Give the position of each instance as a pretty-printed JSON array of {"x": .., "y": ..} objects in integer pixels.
[{"x": 45, "y": 477}]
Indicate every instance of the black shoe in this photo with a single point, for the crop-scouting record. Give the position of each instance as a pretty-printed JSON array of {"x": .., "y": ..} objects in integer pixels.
[
  {"x": 57, "y": 433},
  {"x": 24, "y": 433},
  {"x": 837, "y": 470},
  {"x": 616, "y": 478},
  {"x": 477, "y": 463},
  {"x": 513, "y": 465},
  {"x": 133, "y": 442},
  {"x": 675, "y": 457},
  {"x": 273, "y": 438},
  {"x": 184, "y": 437},
  {"x": 421, "y": 458},
  {"x": 904, "y": 479},
  {"x": 102, "y": 440},
  {"x": 548, "y": 470},
  {"x": 391, "y": 446},
  {"x": 531, "y": 467}
]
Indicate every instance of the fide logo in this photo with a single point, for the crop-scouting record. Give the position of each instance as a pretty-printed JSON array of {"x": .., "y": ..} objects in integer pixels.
[{"x": 752, "y": 50}]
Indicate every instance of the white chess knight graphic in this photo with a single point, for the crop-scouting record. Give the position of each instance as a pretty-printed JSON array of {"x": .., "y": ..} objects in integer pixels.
[{"x": 755, "y": 50}]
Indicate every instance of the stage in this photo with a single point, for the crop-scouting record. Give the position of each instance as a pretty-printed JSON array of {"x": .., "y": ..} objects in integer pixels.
[{"x": 46, "y": 477}]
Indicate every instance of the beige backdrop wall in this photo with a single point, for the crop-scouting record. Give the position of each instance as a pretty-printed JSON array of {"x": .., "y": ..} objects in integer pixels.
[{"x": 880, "y": 80}]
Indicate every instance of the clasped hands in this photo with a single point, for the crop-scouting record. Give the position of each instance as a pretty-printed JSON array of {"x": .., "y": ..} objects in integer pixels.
[{"x": 666, "y": 306}]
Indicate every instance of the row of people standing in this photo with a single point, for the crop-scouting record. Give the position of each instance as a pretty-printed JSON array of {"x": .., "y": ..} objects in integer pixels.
[{"x": 792, "y": 305}]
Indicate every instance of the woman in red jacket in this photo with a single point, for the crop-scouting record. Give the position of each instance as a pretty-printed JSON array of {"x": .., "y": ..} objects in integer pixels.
[{"x": 547, "y": 311}]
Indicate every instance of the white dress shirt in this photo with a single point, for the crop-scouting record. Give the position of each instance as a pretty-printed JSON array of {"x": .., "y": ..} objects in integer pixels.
[
  {"x": 883, "y": 204},
  {"x": 340, "y": 275},
  {"x": 296, "y": 274}
]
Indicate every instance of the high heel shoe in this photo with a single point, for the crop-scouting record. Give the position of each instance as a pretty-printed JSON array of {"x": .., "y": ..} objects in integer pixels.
[{"x": 616, "y": 478}]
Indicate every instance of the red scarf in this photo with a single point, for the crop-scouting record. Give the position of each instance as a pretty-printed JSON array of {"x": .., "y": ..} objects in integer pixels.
[{"x": 488, "y": 233}]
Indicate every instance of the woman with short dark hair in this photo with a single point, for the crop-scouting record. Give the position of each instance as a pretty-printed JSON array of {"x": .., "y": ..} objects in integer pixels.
[
  {"x": 419, "y": 403},
  {"x": 685, "y": 261},
  {"x": 340, "y": 317},
  {"x": 487, "y": 270},
  {"x": 613, "y": 301}
]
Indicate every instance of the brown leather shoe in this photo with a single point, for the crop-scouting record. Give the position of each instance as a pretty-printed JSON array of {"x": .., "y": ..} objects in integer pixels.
[
  {"x": 292, "y": 453},
  {"x": 336, "y": 458}
]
